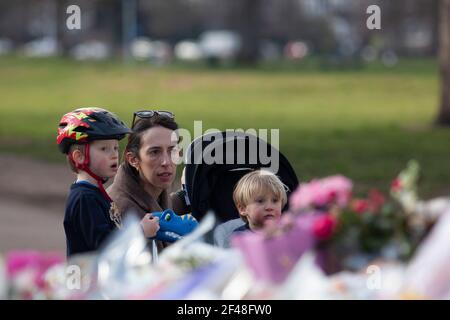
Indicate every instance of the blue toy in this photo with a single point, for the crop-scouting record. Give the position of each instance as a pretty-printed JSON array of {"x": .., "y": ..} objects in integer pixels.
[{"x": 173, "y": 227}]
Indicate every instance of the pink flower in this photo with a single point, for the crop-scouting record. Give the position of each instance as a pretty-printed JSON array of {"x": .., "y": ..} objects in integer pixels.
[
  {"x": 37, "y": 262},
  {"x": 302, "y": 197},
  {"x": 318, "y": 193},
  {"x": 396, "y": 185},
  {"x": 360, "y": 205},
  {"x": 372, "y": 204},
  {"x": 376, "y": 199},
  {"x": 324, "y": 226}
]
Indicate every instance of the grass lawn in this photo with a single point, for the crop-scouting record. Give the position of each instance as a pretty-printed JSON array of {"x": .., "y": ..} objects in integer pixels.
[{"x": 365, "y": 124}]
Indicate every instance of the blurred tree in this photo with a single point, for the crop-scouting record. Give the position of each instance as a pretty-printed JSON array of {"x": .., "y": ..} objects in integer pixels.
[
  {"x": 61, "y": 16},
  {"x": 173, "y": 20},
  {"x": 432, "y": 9},
  {"x": 249, "y": 17},
  {"x": 129, "y": 13},
  {"x": 443, "y": 117}
]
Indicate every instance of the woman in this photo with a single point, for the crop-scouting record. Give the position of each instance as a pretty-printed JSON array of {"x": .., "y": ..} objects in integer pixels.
[{"x": 144, "y": 179}]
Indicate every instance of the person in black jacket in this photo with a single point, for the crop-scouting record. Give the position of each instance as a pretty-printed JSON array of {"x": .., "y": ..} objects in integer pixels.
[{"x": 90, "y": 139}]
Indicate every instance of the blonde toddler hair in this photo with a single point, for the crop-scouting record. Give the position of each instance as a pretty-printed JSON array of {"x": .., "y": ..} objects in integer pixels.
[{"x": 255, "y": 183}]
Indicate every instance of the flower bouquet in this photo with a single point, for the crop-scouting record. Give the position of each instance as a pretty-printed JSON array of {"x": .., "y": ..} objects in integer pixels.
[{"x": 353, "y": 231}]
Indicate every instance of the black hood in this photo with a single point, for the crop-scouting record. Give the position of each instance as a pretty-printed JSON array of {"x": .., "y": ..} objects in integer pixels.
[{"x": 210, "y": 186}]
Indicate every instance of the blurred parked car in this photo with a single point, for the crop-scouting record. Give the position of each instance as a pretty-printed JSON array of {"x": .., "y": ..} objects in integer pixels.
[
  {"x": 42, "y": 47},
  {"x": 188, "y": 50},
  {"x": 141, "y": 48},
  {"x": 158, "y": 52},
  {"x": 91, "y": 50},
  {"x": 221, "y": 45}
]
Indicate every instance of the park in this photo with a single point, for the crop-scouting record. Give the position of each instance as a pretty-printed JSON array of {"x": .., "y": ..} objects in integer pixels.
[{"x": 352, "y": 96}]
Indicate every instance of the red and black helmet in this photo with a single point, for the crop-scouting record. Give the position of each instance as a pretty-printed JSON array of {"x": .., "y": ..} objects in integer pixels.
[{"x": 88, "y": 124}]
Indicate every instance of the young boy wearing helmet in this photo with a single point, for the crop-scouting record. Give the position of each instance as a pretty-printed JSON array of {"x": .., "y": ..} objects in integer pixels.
[{"x": 90, "y": 139}]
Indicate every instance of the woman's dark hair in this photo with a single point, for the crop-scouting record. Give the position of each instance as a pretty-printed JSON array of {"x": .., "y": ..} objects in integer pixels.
[{"x": 135, "y": 138}]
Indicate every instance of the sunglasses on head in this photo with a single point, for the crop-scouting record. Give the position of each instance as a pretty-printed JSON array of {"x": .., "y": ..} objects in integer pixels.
[{"x": 147, "y": 114}]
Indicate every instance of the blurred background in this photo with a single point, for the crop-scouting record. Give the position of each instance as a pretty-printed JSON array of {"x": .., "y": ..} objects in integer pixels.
[{"x": 346, "y": 99}]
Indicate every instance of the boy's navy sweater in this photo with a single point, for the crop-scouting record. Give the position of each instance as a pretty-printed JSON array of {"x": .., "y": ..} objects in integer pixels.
[{"x": 86, "y": 221}]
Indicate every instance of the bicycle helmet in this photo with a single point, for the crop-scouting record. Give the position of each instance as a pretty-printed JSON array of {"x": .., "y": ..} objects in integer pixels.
[{"x": 88, "y": 124}]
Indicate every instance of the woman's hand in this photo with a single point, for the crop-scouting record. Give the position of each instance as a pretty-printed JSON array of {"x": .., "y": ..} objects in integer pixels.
[{"x": 150, "y": 225}]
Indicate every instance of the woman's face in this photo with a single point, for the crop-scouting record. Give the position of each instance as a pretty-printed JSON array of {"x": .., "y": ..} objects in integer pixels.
[{"x": 156, "y": 157}]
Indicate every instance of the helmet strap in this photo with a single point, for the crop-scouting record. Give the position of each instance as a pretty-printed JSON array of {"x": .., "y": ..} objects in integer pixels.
[{"x": 85, "y": 167}]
